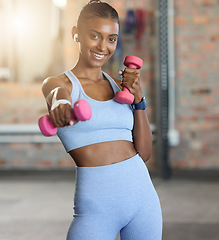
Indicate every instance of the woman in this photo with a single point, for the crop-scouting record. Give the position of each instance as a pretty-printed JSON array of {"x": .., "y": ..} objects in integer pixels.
[{"x": 114, "y": 192}]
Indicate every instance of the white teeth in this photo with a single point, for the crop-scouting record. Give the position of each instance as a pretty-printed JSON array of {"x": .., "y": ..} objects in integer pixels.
[{"x": 98, "y": 55}]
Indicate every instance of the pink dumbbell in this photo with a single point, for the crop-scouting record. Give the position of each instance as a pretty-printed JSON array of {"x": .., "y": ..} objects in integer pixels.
[
  {"x": 125, "y": 96},
  {"x": 82, "y": 111}
]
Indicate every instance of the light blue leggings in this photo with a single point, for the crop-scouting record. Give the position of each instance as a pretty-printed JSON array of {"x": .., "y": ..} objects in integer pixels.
[{"x": 116, "y": 198}]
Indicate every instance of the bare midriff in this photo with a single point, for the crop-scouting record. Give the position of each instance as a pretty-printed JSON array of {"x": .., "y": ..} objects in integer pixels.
[{"x": 101, "y": 154}]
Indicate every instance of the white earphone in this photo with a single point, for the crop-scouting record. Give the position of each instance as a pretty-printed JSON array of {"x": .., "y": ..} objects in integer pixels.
[{"x": 76, "y": 37}]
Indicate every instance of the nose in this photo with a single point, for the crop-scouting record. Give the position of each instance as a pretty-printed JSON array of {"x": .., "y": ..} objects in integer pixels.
[{"x": 102, "y": 45}]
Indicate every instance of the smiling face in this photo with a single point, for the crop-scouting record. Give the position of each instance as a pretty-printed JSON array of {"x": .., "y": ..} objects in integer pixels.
[{"x": 98, "y": 40}]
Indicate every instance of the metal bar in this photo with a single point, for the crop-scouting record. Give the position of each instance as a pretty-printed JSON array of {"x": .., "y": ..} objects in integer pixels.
[
  {"x": 24, "y": 133},
  {"x": 28, "y": 139},
  {"x": 173, "y": 134},
  {"x": 162, "y": 94},
  {"x": 164, "y": 78},
  {"x": 157, "y": 99},
  {"x": 19, "y": 128}
]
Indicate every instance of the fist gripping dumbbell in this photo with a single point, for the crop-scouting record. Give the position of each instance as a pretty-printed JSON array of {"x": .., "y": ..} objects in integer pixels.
[
  {"x": 82, "y": 111},
  {"x": 125, "y": 96}
]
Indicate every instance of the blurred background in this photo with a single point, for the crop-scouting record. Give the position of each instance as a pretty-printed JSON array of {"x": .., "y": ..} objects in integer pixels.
[{"x": 179, "y": 43}]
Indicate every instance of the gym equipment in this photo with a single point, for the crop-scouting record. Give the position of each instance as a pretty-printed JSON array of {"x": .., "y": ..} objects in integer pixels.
[
  {"x": 125, "y": 96},
  {"x": 81, "y": 111}
]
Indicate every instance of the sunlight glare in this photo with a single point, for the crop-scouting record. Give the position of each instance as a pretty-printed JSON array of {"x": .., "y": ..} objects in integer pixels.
[
  {"x": 60, "y": 3},
  {"x": 20, "y": 23}
]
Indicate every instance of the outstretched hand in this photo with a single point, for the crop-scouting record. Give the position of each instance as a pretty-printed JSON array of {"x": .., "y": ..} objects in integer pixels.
[{"x": 61, "y": 116}]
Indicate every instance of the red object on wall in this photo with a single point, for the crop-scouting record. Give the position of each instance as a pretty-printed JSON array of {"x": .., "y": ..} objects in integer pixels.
[{"x": 140, "y": 18}]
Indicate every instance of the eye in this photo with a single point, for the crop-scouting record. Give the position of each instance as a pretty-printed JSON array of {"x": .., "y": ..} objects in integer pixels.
[
  {"x": 112, "y": 39},
  {"x": 93, "y": 36}
]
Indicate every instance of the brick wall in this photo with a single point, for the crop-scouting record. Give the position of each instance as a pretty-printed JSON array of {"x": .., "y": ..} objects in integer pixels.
[
  {"x": 197, "y": 84},
  {"x": 21, "y": 102}
]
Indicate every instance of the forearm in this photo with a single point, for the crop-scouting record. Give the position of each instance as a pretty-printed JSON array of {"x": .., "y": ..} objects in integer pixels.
[{"x": 142, "y": 135}]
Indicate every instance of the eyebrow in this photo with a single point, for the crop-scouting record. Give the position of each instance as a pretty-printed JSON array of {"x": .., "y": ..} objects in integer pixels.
[{"x": 114, "y": 34}]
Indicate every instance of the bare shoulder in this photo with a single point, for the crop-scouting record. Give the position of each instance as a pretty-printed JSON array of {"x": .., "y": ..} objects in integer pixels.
[{"x": 53, "y": 82}]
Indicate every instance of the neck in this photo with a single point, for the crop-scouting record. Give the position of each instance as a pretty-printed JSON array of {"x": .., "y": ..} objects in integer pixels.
[{"x": 81, "y": 70}]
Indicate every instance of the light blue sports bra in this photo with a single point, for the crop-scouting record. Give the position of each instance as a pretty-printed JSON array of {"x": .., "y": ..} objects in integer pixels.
[{"x": 110, "y": 121}]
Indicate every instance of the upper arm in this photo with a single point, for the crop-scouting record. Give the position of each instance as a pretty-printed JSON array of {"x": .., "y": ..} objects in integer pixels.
[{"x": 51, "y": 86}]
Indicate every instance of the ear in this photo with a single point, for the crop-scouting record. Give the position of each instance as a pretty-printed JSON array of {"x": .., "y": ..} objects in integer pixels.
[{"x": 74, "y": 33}]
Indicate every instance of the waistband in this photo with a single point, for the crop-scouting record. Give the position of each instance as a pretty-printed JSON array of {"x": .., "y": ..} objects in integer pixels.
[
  {"x": 125, "y": 176},
  {"x": 116, "y": 168}
]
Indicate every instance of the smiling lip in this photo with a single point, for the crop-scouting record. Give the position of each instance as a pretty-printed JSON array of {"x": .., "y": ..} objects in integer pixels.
[{"x": 99, "y": 56}]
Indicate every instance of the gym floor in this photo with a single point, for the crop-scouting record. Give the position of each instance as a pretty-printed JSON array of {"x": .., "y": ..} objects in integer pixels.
[{"x": 37, "y": 205}]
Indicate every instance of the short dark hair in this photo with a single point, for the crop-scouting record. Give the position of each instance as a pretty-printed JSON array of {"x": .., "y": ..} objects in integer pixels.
[{"x": 96, "y": 8}]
